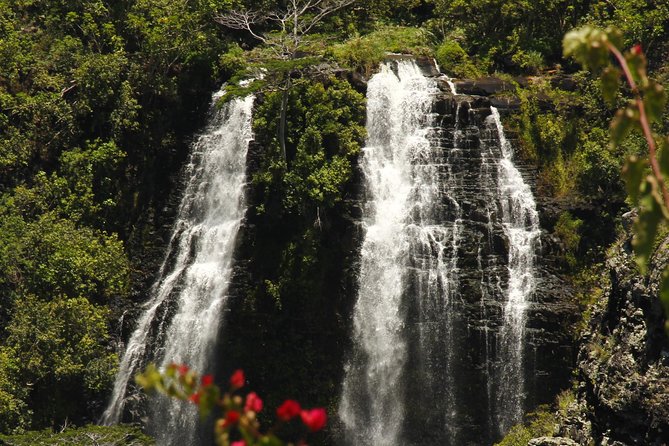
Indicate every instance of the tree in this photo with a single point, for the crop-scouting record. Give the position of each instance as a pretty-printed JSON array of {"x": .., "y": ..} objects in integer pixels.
[{"x": 294, "y": 23}]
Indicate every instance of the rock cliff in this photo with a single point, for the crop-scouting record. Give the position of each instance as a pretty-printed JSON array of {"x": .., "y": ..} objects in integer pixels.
[{"x": 623, "y": 360}]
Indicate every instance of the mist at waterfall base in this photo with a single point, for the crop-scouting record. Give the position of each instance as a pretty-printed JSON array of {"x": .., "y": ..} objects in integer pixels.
[
  {"x": 181, "y": 320},
  {"x": 447, "y": 272}
]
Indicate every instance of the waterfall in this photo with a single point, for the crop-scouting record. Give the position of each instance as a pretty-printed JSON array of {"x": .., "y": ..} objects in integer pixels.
[
  {"x": 180, "y": 322},
  {"x": 520, "y": 221},
  {"x": 447, "y": 270},
  {"x": 401, "y": 189}
]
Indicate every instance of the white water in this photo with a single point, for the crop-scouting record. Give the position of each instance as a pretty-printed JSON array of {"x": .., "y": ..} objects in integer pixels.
[
  {"x": 520, "y": 221},
  {"x": 181, "y": 320},
  {"x": 399, "y": 195}
]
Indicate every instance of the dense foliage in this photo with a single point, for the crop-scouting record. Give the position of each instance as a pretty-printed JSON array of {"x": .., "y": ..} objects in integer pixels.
[
  {"x": 92, "y": 95},
  {"x": 98, "y": 101}
]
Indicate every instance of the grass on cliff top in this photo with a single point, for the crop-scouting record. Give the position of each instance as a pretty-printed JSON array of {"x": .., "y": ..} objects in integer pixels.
[
  {"x": 366, "y": 52},
  {"x": 83, "y": 436}
]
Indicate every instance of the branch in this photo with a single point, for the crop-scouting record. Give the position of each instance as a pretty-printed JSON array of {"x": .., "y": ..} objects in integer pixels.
[
  {"x": 643, "y": 118},
  {"x": 244, "y": 20}
]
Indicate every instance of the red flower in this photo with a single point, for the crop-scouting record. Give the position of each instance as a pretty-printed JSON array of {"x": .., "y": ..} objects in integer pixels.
[
  {"x": 314, "y": 419},
  {"x": 195, "y": 398},
  {"x": 253, "y": 402},
  {"x": 237, "y": 379},
  {"x": 636, "y": 49},
  {"x": 288, "y": 410},
  {"x": 238, "y": 443},
  {"x": 231, "y": 417},
  {"x": 183, "y": 369},
  {"x": 207, "y": 380}
]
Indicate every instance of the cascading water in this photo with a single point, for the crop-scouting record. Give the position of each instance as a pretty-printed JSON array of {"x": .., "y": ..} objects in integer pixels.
[
  {"x": 401, "y": 189},
  {"x": 451, "y": 236},
  {"x": 181, "y": 321},
  {"x": 520, "y": 221}
]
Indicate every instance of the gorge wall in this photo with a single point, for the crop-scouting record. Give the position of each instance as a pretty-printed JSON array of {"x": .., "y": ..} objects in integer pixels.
[{"x": 621, "y": 392}]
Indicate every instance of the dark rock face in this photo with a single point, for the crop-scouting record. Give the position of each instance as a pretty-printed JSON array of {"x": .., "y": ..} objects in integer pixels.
[
  {"x": 623, "y": 360},
  {"x": 484, "y": 87}
]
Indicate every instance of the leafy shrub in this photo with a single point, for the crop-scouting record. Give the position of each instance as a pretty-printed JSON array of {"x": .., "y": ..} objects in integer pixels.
[
  {"x": 567, "y": 230},
  {"x": 367, "y": 51},
  {"x": 530, "y": 61},
  {"x": 540, "y": 423},
  {"x": 453, "y": 60}
]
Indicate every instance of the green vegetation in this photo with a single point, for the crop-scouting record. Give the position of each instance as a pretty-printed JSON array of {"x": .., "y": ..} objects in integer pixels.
[
  {"x": 454, "y": 60},
  {"x": 99, "y": 100},
  {"x": 567, "y": 229},
  {"x": 84, "y": 436},
  {"x": 644, "y": 175},
  {"x": 326, "y": 134},
  {"x": 539, "y": 424},
  {"x": 93, "y": 94},
  {"x": 366, "y": 52}
]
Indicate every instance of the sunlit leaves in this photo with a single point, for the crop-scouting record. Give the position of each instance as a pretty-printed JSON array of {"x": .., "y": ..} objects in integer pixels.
[
  {"x": 60, "y": 349},
  {"x": 589, "y": 45}
]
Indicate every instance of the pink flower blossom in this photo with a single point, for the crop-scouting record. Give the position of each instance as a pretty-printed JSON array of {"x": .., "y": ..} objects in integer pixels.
[
  {"x": 314, "y": 419},
  {"x": 253, "y": 402},
  {"x": 237, "y": 379},
  {"x": 288, "y": 410},
  {"x": 207, "y": 380}
]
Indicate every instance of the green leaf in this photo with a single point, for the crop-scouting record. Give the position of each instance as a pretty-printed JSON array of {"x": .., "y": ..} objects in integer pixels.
[
  {"x": 151, "y": 379},
  {"x": 610, "y": 84},
  {"x": 637, "y": 65},
  {"x": 623, "y": 123},
  {"x": 645, "y": 227},
  {"x": 633, "y": 174},
  {"x": 588, "y": 46},
  {"x": 615, "y": 36},
  {"x": 208, "y": 400},
  {"x": 655, "y": 101}
]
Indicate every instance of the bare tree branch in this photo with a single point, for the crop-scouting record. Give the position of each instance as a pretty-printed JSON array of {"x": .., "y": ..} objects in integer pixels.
[
  {"x": 300, "y": 17},
  {"x": 243, "y": 20}
]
